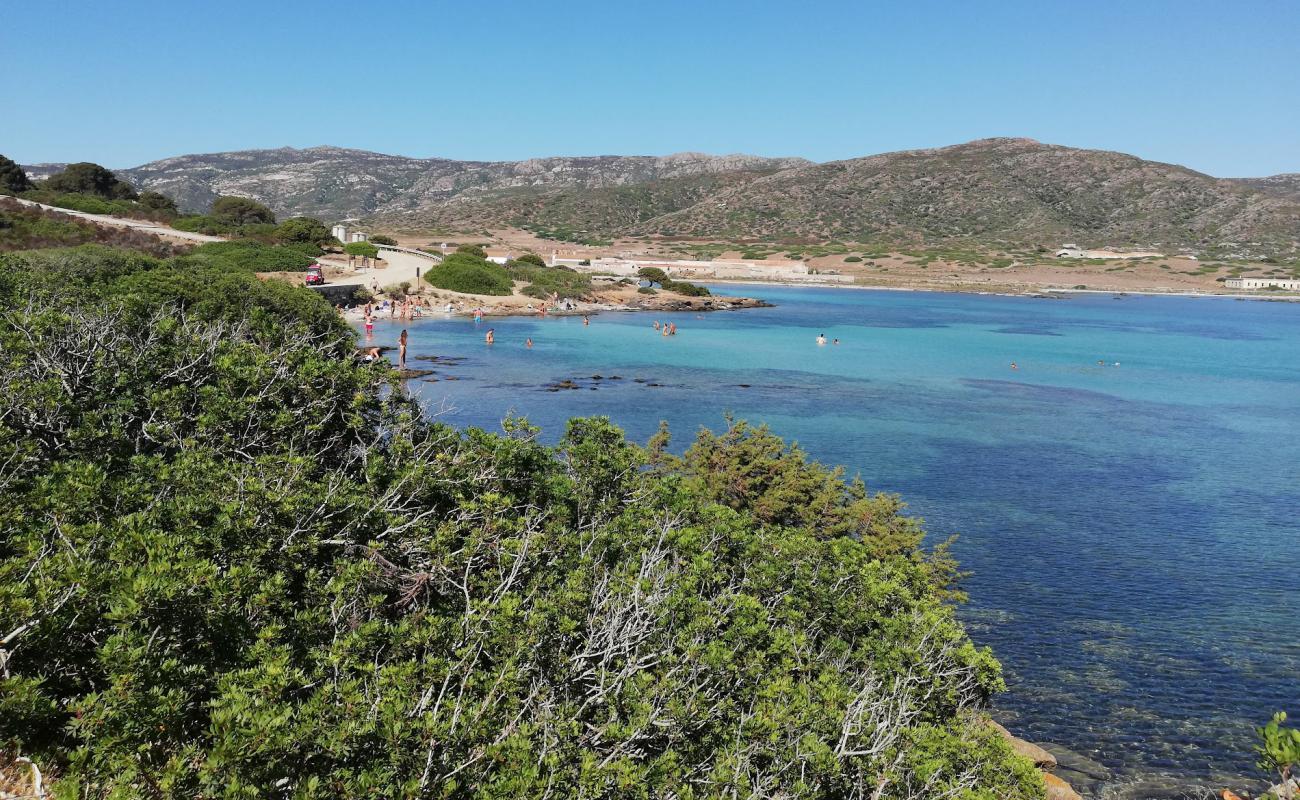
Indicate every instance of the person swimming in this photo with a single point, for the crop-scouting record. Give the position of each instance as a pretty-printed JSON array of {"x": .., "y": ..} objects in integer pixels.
[
  {"x": 528, "y": 342},
  {"x": 586, "y": 320},
  {"x": 656, "y": 324},
  {"x": 821, "y": 338},
  {"x": 1013, "y": 365},
  {"x": 672, "y": 328},
  {"x": 836, "y": 341},
  {"x": 491, "y": 335}
]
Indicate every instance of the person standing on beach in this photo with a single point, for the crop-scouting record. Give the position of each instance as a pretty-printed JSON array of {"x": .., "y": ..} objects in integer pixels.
[{"x": 401, "y": 350}]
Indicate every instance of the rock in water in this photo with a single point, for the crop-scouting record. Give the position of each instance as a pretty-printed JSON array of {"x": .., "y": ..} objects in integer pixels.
[
  {"x": 1041, "y": 758},
  {"x": 1058, "y": 789}
]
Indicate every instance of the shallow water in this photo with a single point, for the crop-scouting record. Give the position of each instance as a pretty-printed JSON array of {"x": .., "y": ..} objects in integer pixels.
[{"x": 1132, "y": 528}]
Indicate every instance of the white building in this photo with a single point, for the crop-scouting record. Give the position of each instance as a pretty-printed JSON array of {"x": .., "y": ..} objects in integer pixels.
[
  {"x": 1263, "y": 283},
  {"x": 345, "y": 233}
]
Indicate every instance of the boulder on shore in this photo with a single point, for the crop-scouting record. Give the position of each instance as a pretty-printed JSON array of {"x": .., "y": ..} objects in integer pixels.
[
  {"x": 1058, "y": 789},
  {"x": 1041, "y": 758}
]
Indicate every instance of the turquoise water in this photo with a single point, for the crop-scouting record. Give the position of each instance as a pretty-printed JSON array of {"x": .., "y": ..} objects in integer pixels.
[{"x": 1132, "y": 529}]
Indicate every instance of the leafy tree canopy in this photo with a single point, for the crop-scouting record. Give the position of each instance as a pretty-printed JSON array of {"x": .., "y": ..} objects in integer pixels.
[
  {"x": 157, "y": 201},
  {"x": 379, "y": 238},
  {"x": 13, "y": 178},
  {"x": 87, "y": 178},
  {"x": 653, "y": 274},
  {"x": 241, "y": 211},
  {"x": 362, "y": 249},
  {"x": 304, "y": 230}
]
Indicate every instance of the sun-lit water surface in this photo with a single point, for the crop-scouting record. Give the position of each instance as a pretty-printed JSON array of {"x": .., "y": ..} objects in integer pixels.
[{"x": 1131, "y": 527}]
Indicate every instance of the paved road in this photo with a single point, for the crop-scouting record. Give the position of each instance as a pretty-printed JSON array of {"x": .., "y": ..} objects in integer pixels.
[
  {"x": 142, "y": 225},
  {"x": 402, "y": 265}
]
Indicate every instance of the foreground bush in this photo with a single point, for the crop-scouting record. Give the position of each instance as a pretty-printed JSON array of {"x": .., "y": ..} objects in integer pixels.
[{"x": 237, "y": 563}]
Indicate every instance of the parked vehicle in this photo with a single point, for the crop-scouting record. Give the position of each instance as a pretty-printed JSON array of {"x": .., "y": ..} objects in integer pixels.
[{"x": 315, "y": 276}]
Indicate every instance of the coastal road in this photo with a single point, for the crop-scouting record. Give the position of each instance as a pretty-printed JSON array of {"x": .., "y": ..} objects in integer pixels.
[
  {"x": 143, "y": 225},
  {"x": 402, "y": 266}
]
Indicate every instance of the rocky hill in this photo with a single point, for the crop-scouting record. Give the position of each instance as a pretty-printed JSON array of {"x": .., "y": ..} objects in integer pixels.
[
  {"x": 991, "y": 190},
  {"x": 1286, "y": 186},
  {"x": 333, "y": 182},
  {"x": 994, "y": 189}
]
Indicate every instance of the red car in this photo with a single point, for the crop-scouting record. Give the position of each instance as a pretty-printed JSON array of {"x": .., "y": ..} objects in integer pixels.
[{"x": 315, "y": 277}]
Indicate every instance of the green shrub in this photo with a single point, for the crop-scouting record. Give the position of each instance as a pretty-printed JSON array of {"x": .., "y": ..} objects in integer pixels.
[
  {"x": 398, "y": 289},
  {"x": 379, "y": 238},
  {"x": 646, "y": 290},
  {"x": 472, "y": 250},
  {"x": 688, "y": 289},
  {"x": 464, "y": 272},
  {"x": 248, "y": 255},
  {"x": 544, "y": 281},
  {"x": 852, "y": 259},
  {"x": 531, "y": 258},
  {"x": 237, "y": 564}
]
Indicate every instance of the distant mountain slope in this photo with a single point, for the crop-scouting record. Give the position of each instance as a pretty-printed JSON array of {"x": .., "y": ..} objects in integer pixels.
[
  {"x": 1011, "y": 189},
  {"x": 333, "y": 182},
  {"x": 991, "y": 190},
  {"x": 1285, "y": 186}
]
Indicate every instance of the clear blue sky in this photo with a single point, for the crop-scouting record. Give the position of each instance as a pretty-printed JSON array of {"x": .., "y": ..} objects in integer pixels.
[{"x": 1213, "y": 84}]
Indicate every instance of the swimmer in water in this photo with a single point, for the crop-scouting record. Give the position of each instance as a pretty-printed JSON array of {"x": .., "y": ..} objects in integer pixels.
[
  {"x": 370, "y": 325},
  {"x": 528, "y": 342},
  {"x": 491, "y": 335},
  {"x": 672, "y": 328},
  {"x": 666, "y": 330},
  {"x": 821, "y": 338},
  {"x": 836, "y": 341},
  {"x": 1013, "y": 365},
  {"x": 656, "y": 324},
  {"x": 586, "y": 320}
]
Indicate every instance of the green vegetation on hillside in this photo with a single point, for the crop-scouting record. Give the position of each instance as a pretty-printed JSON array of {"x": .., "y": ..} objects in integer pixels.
[
  {"x": 26, "y": 227},
  {"x": 238, "y": 562}
]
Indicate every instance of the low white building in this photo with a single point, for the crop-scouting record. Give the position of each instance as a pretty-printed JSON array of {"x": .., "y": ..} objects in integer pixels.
[
  {"x": 340, "y": 232},
  {"x": 358, "y": 236},
  {"x": 1075, "y": 251},
  {"x": 1292, "y": 284}
]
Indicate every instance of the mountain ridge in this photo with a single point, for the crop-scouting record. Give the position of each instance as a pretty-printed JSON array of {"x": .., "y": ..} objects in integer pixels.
[{"x": 1002, "y": 189}]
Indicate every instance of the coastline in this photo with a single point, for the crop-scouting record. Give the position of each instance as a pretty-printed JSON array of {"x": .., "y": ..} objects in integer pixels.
[{"x": 1042, "y": 291}]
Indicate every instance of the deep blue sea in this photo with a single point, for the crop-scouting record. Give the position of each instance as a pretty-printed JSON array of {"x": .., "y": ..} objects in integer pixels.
[{"x": 1132, "y": 528}]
